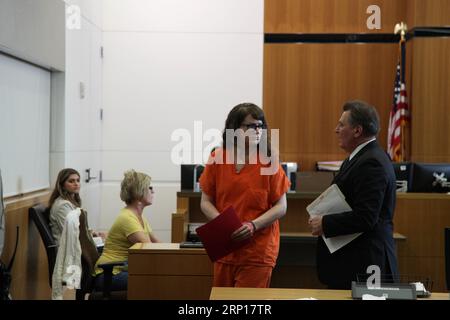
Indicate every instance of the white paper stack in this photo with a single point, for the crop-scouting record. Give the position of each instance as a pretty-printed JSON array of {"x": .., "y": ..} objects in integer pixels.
[
  {"x": 372, "y": 297},
  {"x": 332, "y": 201},
  {"x": 329, "y": 165}
]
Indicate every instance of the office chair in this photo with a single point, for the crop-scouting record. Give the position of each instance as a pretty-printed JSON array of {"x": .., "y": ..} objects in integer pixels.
[
  {"x": 39, "y": 214},
  {"x": 5, "y": 272},
  {"x": 89, "y": 256},
  {"x": 447, "y": 256}
]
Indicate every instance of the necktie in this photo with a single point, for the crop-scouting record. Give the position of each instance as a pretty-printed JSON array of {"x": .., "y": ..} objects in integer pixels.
[{"x": 344, "y": 165}]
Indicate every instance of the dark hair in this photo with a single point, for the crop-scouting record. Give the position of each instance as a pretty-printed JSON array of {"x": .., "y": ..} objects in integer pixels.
[
  {"x": 237, "y": 116},
  {"x": 364, "y": 115},
  {"x": 60, "y": 191}
]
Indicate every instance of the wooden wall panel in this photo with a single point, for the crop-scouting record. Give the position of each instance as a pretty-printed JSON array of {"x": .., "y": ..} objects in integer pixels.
[
  {"x": 30, "y": 268},
  {"x": 305, "y": 86},
  {"x": 349, "y": 16},
  {"x": 431, "y": 13},
  {"x": 430, "y": 101},
  {"x": 422, "y": 219},
  {"x": 330, "y": 16}
]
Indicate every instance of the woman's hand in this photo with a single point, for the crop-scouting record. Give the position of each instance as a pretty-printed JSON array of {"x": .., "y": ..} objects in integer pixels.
[
  {"x": 101, "y": 234},
  {"x": 246, "y": 231}
]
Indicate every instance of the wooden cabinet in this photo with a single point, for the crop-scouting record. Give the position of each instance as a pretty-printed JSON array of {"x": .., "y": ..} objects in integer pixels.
[
  {"x": 164, "y": 271},
  {"x": 422, "y": 217}
]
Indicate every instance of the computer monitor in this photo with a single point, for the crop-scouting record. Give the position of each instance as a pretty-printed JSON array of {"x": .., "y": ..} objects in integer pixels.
[
  {"x": 290, "y": 169},
  {"x": 314, "y": 181},
  {"x": 187, "y": 175},
  {"x": 447, "y": 256},
  {"x": 403, "y": 174},
  {"x": 431, "y": 177}
]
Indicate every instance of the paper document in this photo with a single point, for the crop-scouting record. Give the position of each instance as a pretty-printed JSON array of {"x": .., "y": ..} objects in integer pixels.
[
  {"x": 98, "y": 241},
  {"x": 332, "y": 201},
  {"x": 372, "y": 297}
]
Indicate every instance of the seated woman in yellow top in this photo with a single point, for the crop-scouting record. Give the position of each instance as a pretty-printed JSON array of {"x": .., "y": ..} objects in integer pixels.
[{"x": 129, "y": 228}]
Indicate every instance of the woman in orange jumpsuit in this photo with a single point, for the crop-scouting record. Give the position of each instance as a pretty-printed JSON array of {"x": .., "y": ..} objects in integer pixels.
[{"x": 235, "y": 175}]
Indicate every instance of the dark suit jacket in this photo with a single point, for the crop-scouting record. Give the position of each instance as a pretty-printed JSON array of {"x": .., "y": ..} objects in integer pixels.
[{"x": 368, "y": 184}]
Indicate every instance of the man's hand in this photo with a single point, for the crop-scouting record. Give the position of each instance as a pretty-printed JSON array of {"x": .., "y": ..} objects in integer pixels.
[
  {"x": 315, "y": 224},
  {"x": 246, "y": 231}
]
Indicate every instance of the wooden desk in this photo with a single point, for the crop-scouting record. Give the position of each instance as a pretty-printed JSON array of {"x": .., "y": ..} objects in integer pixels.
[
  {"x": 420, "y": 219},
  {"x": 164, "y": 271},
  {"x": 218, "y": 293}
]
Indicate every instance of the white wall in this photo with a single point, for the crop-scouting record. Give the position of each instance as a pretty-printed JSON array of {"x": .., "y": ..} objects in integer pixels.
[
  {"x": 24, "y": 100},
  {"x": 168, "y": 63},
  {"x": 76, "y": 137},
  {"x": 33, "y": 31}
]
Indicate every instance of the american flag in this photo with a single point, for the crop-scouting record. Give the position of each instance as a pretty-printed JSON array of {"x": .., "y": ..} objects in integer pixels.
[{"x": 399, "y": 115}]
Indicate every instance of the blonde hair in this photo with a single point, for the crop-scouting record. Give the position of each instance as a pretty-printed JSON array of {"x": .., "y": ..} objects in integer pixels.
[{"x": 134, "y": 186}]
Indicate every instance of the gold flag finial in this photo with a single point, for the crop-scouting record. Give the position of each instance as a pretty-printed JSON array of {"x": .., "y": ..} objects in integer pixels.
[{"x": 401, "y": 28}]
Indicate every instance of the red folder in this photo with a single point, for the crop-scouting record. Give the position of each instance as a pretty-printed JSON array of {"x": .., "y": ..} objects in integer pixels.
[{"x": 216, "y": 234}]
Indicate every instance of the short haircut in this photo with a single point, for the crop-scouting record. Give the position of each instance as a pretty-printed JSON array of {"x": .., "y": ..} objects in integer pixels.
[
  {"x": 134, "y": 186},
  {"x": 365, "y": 115}
]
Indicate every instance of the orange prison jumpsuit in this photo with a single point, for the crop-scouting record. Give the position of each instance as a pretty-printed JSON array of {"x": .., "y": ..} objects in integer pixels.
[{"x": 251, "y": 194}]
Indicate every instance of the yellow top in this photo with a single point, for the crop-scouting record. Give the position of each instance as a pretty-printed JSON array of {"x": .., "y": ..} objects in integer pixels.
[{"x": 117, "y": 244}]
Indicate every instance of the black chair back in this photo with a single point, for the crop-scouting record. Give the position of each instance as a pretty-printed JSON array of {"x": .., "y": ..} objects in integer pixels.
[
  {"x": 447, "y": 257},
  {"x": 39, "y": 214}
]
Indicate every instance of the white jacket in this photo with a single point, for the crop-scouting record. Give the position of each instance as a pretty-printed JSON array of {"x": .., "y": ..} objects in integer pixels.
[{"x": 68, "y": 260}]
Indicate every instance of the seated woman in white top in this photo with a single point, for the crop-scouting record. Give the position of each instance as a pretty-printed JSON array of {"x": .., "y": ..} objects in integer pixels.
[{"x": 65, "y": 198}]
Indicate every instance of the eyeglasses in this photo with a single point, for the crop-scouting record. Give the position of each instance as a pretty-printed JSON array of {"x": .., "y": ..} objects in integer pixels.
[{"x": 253, "y": 126}]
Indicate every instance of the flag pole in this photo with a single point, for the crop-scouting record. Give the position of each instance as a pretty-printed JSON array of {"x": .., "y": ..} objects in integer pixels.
[{"x": 401, "y": 28}]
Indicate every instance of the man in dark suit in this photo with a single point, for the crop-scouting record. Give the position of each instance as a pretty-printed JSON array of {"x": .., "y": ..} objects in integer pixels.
[{"x": 367, "y": 180}]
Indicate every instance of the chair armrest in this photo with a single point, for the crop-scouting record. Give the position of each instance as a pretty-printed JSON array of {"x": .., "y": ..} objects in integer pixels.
[{"x": 110, "y": 265}]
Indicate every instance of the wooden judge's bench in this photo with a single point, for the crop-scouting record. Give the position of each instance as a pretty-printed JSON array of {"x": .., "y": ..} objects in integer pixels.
[{"x": 419, "y": 222}]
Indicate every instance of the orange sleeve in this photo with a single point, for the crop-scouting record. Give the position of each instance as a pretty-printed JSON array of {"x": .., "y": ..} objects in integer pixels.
[
  {"x": 208, "y": 180},
  {"x": 279, "y": 185}
]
